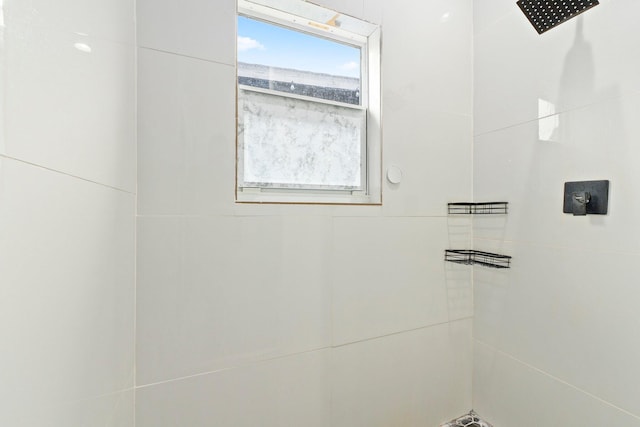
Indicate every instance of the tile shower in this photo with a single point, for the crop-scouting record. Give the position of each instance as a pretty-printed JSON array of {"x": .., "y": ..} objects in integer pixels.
[{"x": 135, "y": 292}]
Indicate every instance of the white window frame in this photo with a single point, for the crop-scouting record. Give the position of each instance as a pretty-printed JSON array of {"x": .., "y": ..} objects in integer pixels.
[{"x": 369, "y": 44}]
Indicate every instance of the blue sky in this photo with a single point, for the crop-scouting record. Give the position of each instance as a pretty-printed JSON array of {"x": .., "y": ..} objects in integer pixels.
[{"x": 266, "y": 44}]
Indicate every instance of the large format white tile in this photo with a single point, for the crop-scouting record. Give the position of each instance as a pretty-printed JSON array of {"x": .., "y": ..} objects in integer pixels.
[
  {"x": 510, "y": 393},
  {"x": 568, "y": 312},
  {"x": 112, "y": 20},
  {"x": 198, "y": 28},
  {"x": 67, "y": 289},
  {"x": 596, "y": 142},
  {"x": 413, "y": 379},
  {"x": 552, "y": 108},
  {"x": 116, "y": 410},
  {"x": 219, "y": 291},
  {"x": 585, "y": 60},
  {"x": 69, "y": 109},
  {"x": 434, "y": 152},
  {"x": 348, "y": 7},
  {"x": 388, "y": 276},
  {"x": 281, "y": 209},
  {"x": 427, "y": 56},
  {"x": 372, "y": 11},
  {"x": 459, "y": 290},
  {"x": 186, "y": 145},
  {"x": 487, "y": 12},
  {"x": 458, "y": 278},
  {"x": 292, "y": 391}
]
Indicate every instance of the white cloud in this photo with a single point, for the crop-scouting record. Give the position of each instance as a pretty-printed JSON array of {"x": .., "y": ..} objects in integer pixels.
[
  {"x": 247, "y": 43},
  {"x": 353, "y": 65}
]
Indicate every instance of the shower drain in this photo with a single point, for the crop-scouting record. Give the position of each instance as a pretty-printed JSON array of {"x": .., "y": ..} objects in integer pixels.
[{"x": 470, "y": 420}]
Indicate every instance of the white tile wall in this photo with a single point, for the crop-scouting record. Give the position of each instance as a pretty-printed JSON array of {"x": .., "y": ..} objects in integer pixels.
[
  {"x": 546, "y": 401},
  {"x": 372, "y": 11},
  {"x": 292, "y": 391},
  {"x": 67, "y": 262},
  {"x": 585, "y": 60},
  {"x": 199, "y": 28},
  {"x": 416, "y": 379},
  {"x": 83, "y": 103},
  {"x": 458, "y": 279},
  {"x": 553, "y": 333},
  {"x": 435, "y": 160},
  {"x": 224, "y": 289},
  {"x": 215, "y": 292},
  {"x": 116, "y": 410},
  {"x": 427, "y": 63},
  {"x": 566, "y": 310},
  {"x": 67, "y": 206},
  {"x": 487, "y": 12},
  {"x": 388, "y": 276},
  {"x": 606, "y": 149},
  {"x": 184, "y": 126},
  {"x": 278, "y": 280},
  {"x": 427, "y": 108},
  {"x": 112, "y": 20},
  {"x": 348, "y": 7}
]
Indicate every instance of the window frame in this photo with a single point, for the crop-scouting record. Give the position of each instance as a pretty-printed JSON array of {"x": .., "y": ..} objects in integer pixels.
[{"x": 370, "y": 86}]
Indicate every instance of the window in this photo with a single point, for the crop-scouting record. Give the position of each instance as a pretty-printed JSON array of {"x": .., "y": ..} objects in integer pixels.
[{"x": 308, "y": 105}]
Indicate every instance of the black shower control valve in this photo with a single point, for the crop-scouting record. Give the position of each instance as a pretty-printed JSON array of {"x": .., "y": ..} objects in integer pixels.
[
  {"x": 580, "y": 201},
  {"x": 586, "y": 198}
]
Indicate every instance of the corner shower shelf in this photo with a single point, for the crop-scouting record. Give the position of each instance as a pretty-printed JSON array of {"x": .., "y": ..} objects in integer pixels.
[
  {"x": 483, "y": 208},
  {"x": 471, "y": 257}
]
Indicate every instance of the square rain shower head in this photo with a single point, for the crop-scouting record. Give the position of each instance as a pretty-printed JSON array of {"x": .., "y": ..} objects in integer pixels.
[{"x": 545, "y": 15}]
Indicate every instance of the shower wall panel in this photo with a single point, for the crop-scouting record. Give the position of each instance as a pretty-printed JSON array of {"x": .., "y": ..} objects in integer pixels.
[
  {"x": 554, "y": 340},
  {"x": 279, "y": 315},
  {"x": 67, "y": 213}
]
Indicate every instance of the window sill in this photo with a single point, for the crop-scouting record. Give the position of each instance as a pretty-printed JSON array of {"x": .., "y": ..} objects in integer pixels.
[{"x": 307, "y": 198}]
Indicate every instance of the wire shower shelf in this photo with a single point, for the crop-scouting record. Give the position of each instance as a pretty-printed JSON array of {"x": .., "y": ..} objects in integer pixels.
[
  {"x": 483, "y": 208},
  {"x": 471, "y": 257}
]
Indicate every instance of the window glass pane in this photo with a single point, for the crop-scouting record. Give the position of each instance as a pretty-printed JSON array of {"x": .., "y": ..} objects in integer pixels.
[
  {"x": 289, "y": 142},
  {"x": 285, "y": 60}
]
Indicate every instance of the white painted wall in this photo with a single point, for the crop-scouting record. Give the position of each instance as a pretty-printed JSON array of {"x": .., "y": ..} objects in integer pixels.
[
  {"x": 555, "y": 336},
  {"x": 67, "y": 204},
  {"x": 301, "y": 315}
]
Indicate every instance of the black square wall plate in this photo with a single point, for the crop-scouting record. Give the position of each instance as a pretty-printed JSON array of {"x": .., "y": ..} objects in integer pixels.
[{"x": 598, "y": 190}]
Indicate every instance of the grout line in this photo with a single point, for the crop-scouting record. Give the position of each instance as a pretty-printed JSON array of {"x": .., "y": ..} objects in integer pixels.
[
  {"x": 186, "y": 56},
  {"x": 331, "y": 278},
  {"x": 202, "y": 374},
  {"x": 279, "y": 215},
  {"x": 471, "y": 243},
  {"x": 548, "y": 375},
  {"x": 402, "y": 332},
  {"x": 515, "y": 125},
  {"x": 135, "y": 216},
  {"x": 4, "y": 156},
  {"x": 286, "y": 356},
  {"x": 234, "y": 367},
  {"x": 534, "y": 244},
  {"x": 558, "y": 113}
]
